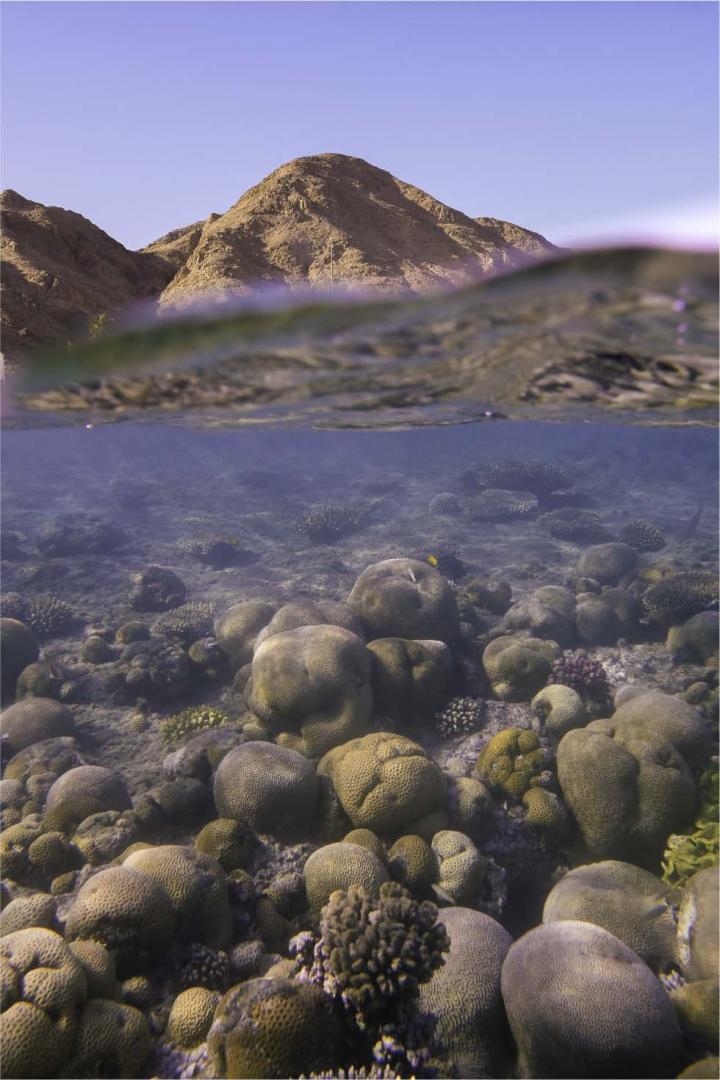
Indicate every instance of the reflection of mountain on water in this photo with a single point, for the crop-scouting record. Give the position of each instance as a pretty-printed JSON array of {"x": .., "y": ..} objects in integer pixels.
[{"x": 630, "y": 329}]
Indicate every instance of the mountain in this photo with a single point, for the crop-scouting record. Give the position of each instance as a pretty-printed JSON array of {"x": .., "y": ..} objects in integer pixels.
[
  {"x": 59, "y": 271},
  {"x": 317, "y": 219}
]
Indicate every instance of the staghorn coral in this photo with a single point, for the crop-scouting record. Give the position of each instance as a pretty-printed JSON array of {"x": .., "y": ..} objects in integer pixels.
[
  {"x": 497, "y": 504},
  {"x": 188, "y": 622},
  {"x": 373, "y": 952},
  {"x": 687, "y": 853},
  {"x": 583, "y": 674},
  {"x": 49, "y": 615},
  {"x": 573, "y": 523},
  {"x": 460, "y": 716},
  {"x": 642, "y": 535},
  {"x": 331, "y": 521},
  {"x": 190, "y": 721},
  {"x": 676, "y": 598}
]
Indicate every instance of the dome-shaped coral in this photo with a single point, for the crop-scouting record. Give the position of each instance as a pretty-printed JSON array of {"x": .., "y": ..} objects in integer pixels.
[
  {"x": 405, "y": 598},
  {"x": 267, "y": 787},
  {"x": 385, "y": 782}
]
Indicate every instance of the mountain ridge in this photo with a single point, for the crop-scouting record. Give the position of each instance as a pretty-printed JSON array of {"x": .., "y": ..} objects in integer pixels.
[{"x": 316, "y": 219}]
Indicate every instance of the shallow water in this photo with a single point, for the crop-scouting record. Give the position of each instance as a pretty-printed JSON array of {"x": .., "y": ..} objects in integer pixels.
[{"x": 254, "y": 485}]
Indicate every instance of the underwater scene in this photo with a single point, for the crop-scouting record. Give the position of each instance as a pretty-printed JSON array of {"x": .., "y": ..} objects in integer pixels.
[{"x": 360, "y": 687}]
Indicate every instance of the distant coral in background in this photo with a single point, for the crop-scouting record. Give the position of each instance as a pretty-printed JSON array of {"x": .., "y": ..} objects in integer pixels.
[
  {"x": 331, "y": 521},
  {"x": 643, "y": 536}
]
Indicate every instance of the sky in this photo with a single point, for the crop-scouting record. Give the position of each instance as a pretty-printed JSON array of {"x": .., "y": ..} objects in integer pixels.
[{"x": 585, "y": 121}]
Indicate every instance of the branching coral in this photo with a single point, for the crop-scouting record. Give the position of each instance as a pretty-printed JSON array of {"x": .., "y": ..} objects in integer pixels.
[
  {"x": 373, "y": 952},
  {"x": 188, "y": 622},
  {"x": 188, "y": 722},
  {"x": 460, "y": 716},
  {"x": 642, "y": 535},
  {"x": 583, "y": 674}
]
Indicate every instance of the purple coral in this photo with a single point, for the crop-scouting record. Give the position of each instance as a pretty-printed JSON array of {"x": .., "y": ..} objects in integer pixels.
[{"x": 586, "y": 676}]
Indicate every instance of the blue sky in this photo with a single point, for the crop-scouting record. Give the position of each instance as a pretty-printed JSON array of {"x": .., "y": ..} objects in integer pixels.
[{"x": 579, "y": 119}]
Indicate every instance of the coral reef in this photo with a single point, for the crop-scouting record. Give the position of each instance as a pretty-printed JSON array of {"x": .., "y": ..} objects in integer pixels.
[
  {"x": 679, "y": 596},
  {"x": 642, "y": 535},
  {"x": 460, "y": 716},
  {"x": 188, "y": 622},
  {"x": 190, "y": 721},
  {"x": 583, "y": 674},
  {"x": 331, "y": 521},
  {"x": 496, "y": 504}
]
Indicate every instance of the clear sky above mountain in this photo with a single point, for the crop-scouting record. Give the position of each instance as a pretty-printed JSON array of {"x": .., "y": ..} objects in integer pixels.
[{"x": 580, "y": 120}]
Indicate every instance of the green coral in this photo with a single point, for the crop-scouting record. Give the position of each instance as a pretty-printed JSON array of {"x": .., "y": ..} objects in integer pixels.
[
  {"x": 687, "y": 853},
  {"x": 512, "y": 760},
  {"x": 190, "y": 721}
]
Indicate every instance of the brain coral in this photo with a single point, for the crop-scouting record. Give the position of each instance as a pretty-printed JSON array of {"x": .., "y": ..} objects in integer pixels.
[
  {"x": 549, "y": 612},
  {"x": 312, "y": 687},
  {"x": 338, "y": 866},
  {"x": 191, "y": 1016},
  {"x": 113, "y": 1039},
  {"x": 125, "y": 910},
  {"x": 196, "y": 886},
  {"x": 518, "y": 667},
  {"x": 80, "y": 792},
  {"x": 33, "y": 720},
  {"x": 696, "y": 639},
  {"x": 43, "y": 989},
  {"x": 384, "y": 782},
  {"x": 512, "y": 759},
  {"x": 582, "y": 1004},
  {"x": 405, "y": 598},
  {"x": 464, "y": 994},
  {"x": 460, "y": 868},
  {"x": 268, "y": 787},
  {"x": 412, "y": 863},
  {"x": 560, "y": 708},
  {"x": 274, "y": 1027},
  {"x": 307, "y": 613},
  {"x": 630, "y": 903},
  {"x": 607, "y": 563},
  {"x": 237, "y": 629},
  {"x": 409, "y": 678},
  {"x": 627, "y": 788}
]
